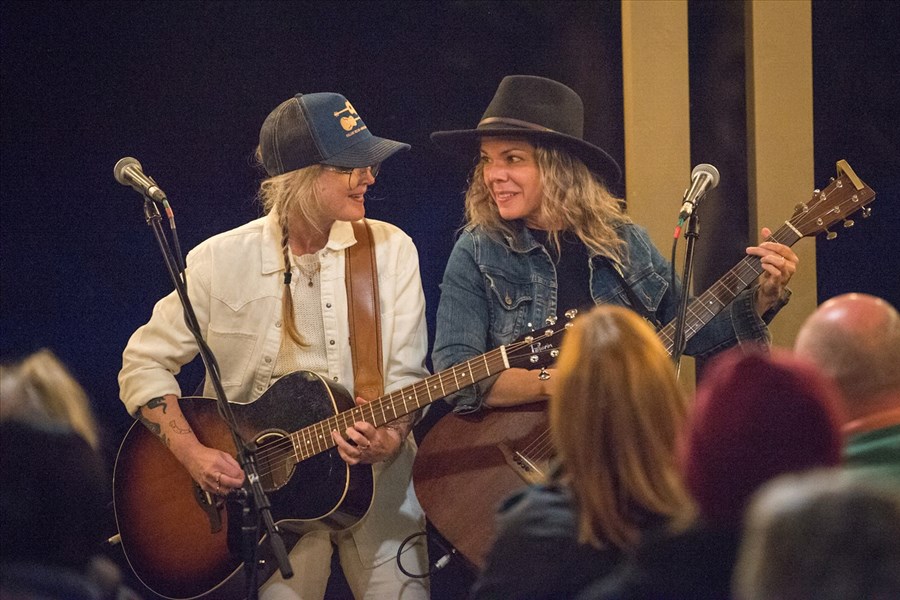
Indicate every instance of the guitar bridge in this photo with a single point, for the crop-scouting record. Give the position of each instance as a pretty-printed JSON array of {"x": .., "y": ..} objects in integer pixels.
[{"x": 530, "y": 471}]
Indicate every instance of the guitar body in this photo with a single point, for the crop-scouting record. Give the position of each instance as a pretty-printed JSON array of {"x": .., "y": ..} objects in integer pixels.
[
  {"x": 462, "y": 472},
  {"x": 183, "y": 543}
]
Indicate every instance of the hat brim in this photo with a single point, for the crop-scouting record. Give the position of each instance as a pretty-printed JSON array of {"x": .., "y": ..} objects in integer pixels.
[
  {"x": 369, "y": 151},
  {"x": 465, "y": 142}
]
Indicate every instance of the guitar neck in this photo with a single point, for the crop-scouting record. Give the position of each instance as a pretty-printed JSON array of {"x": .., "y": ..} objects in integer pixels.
[
  {"x": 707, "y": 305},
  {"x": 316, "y": 438}
]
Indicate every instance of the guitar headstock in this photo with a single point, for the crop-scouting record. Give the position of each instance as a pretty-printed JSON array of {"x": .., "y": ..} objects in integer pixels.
[
  {"x": 540, "y": 348},
  {"x": 842, "y": 197}
]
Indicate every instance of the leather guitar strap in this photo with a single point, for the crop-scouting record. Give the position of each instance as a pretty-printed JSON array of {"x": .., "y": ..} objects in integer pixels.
[{"x": 364, "y": 314}]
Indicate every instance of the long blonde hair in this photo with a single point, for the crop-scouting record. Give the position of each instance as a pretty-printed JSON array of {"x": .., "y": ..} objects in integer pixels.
[
  {"x": 573, "y": 199},
  {"x": 615, "y": 418},
  {"x": 291, "y": 195}
]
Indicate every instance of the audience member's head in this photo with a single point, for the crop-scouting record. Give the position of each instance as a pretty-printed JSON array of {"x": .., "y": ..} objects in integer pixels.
[
  {"x": 855, "y": 339},
  {"x": 826, "y": 535},
  {"x": 53, "y": 496},
  {"x": 55, "y": 485},
  {"x": 40, "y": 390},
  {"x": 757, "y": 416},
  {"x": 615, "y": 417}
]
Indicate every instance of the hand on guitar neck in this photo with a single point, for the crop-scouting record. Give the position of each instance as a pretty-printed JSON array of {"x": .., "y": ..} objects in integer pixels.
[
  {"x": 364, "y": 443},
  {"x": 779, "y": 264}
]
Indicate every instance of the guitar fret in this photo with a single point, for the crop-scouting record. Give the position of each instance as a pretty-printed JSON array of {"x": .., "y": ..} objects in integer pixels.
[
  {"x": 441, "y": 381},
  {"x": 306, "y": 445},
  {"x": 294, "y": 447}
]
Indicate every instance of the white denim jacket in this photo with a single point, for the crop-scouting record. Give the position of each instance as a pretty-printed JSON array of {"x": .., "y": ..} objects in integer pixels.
[{"x": 235, "y": 282}]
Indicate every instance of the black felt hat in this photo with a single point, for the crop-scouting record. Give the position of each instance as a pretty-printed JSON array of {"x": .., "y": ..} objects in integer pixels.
[{"x": 547, "y": 111}]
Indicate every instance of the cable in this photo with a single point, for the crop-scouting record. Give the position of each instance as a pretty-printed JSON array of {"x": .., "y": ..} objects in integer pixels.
[{"x": 438, "y": 564}]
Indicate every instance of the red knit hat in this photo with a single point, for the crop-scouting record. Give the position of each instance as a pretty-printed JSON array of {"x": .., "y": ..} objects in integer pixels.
[{"x": 757, "y": 416}]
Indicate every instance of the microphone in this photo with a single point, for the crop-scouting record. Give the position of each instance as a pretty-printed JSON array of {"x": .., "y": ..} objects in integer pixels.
[
  {"x": 704, "y": 177},
  {"x": 128, "y": 171}
]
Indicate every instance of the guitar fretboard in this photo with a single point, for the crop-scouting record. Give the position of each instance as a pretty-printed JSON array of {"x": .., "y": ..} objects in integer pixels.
[
  {"x": 707, "y": 305},
  {"x": 316, "y": 438}
]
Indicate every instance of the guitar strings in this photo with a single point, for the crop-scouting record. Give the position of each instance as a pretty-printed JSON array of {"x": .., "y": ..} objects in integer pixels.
[{"x": 274, "y": 455}]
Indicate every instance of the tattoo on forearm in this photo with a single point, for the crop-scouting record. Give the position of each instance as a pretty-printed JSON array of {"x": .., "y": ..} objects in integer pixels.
[
  {"x": 155, "y": 428},
  {"x": 403, "y": 425},
  {"x": 157, "y": 402},
  {"x": 177, "y": 429}
]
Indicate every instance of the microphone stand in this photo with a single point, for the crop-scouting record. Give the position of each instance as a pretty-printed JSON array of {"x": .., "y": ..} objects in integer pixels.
[
  {"x": 255, "y": 503},
  {"x": 692, "y": 232}
]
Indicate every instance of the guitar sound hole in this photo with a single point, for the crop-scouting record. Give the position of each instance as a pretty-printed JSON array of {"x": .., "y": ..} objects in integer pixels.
[{"x": 276, "y": 460}]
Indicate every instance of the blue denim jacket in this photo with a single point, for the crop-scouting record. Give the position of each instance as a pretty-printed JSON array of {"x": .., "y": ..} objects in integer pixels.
[{"x": 496, "y": 289}]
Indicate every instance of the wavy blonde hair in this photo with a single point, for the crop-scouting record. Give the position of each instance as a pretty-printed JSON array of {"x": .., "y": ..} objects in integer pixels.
[
  {"x": 291, "y": 195},
  {"x": 615, "y": 418},
  {"x": 573, "y": 200}
]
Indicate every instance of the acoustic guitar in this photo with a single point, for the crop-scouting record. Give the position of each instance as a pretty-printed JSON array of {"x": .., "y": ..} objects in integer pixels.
[
  {"x": 182, "y": 542},
  {"x": 467, "y": 464}
]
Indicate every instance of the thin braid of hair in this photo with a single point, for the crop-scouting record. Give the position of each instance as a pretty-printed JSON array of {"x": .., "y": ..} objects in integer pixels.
[{"x": 287, "y": 298}]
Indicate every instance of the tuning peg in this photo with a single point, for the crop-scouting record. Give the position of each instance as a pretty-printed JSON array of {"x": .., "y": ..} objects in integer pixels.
[
  {"x": 570, "y": 314},
  {"x": 543, "y": 375},
  {"x": 801, "y": 208},
  {"x": 866, "y": 212},
  {"x": 830, "y": 235},
  {"x": 551, "y": 320},
  {"x": 849, "y": 223}
]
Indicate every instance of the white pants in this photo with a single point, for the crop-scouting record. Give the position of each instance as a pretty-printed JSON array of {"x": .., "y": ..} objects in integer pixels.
[{"x": 311, "y": 562}]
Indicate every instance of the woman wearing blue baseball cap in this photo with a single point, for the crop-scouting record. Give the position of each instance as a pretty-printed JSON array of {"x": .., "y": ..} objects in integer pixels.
[{"x": 272, "y": 300}]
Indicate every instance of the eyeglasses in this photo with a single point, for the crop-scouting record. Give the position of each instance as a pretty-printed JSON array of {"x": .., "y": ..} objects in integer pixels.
[{"x": 354, "y": 175}]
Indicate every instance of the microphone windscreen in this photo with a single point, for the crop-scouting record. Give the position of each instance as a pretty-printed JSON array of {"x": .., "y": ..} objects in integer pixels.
[
  {"x": 709, "y": 170},
  {"x": 121, "y": 165}
]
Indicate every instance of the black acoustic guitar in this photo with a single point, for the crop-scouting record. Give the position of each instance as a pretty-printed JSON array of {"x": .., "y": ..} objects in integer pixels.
[
  {"x": 467, "y": 464},
  {"x": 182, "y": 542}
]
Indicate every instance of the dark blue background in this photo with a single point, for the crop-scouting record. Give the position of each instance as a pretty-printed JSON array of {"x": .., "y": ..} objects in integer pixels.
[{"x": 184, "y": 87}]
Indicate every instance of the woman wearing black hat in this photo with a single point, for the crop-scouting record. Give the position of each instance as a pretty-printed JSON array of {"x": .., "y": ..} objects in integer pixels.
[
  {"x": 271, "y": 298},
  {"x": 544, "y": 235}
]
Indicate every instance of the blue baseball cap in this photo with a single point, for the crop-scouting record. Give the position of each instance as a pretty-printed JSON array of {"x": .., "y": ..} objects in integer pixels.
[{"x": 324, "y": 128}]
